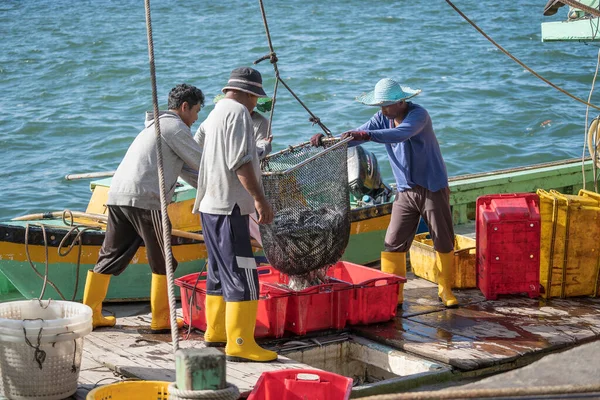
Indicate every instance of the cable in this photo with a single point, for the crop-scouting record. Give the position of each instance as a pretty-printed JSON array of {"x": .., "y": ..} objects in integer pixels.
[
  {"x": 515, "y": 59},
  {"x": 273, "y": 57}
]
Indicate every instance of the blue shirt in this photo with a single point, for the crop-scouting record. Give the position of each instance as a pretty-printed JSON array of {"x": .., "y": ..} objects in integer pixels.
[{"x": 413, "y": 149}]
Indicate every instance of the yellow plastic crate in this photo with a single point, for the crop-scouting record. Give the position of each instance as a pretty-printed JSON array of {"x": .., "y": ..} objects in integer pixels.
[
  {"x": 569, "y": 246},
  {"x": 424, "y": 260}
]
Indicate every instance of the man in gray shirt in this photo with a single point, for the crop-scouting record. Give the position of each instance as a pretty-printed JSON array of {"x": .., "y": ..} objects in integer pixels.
[
  {"x": 134, "y": 215},
  {"x": 229, "y": 190}
]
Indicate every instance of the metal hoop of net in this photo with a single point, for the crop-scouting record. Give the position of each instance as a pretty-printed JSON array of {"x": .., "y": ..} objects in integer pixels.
[{"x": 308, "y": 189}]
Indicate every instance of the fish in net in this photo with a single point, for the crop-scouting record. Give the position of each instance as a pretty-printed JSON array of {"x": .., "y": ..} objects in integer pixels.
[{"x": 308, "y": 189}]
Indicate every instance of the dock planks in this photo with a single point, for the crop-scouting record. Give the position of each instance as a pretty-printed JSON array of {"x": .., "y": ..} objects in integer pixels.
[{"x": 479, "y": 336}]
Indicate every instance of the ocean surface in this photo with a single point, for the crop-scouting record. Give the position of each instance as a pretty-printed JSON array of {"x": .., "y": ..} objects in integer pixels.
[{"x": 75, "y": 79}]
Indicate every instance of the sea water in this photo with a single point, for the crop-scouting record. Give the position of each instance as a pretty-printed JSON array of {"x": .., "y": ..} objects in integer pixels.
[{"x": 75, "y": 79}]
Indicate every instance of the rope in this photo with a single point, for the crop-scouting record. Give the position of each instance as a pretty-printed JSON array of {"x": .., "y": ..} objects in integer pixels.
[
  {"x": 76, "y": 240},
  {"x": 515, "y": 59},
  {"x": 487, "y": 393},
  {"x": 230, "y": 392},
  {"x": 273, "y": 58},
  {"x": 161, "y": 179},
  {"x": 39, "y": 355},
  {"x": 590, "y": 135},
  {"x": 45, "y": 276}
]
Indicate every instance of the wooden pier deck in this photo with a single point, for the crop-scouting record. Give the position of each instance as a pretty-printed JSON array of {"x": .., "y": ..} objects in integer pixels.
[{"x": 478, "y": 339}]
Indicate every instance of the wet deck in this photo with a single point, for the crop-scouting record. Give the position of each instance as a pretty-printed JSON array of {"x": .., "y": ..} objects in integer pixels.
[{"x": 479, "y": 338}]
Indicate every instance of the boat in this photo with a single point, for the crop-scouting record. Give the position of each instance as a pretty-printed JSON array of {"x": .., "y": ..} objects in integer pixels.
[{"x": 31, "y": 245}]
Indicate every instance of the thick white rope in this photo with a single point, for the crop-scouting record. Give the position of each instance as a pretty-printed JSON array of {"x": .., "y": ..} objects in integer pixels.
[
  {"x": 230, "y": 392},
  {"x": 163, "y": 196}
]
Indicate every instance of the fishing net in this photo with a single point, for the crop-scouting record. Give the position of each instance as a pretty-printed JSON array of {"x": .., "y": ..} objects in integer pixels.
[{"x": 308, "y": 189}]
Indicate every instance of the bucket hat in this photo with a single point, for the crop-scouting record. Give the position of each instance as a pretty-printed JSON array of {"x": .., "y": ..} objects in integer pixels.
[
  {"x": 246, "y": 79},
  {"x": 387, "y": 92},
  {"x": 264, "y": 104}
]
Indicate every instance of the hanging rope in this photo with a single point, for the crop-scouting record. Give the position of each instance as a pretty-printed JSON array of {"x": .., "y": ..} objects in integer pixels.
[
  {"x": 80, "y": 229},
  {"x": 589, "y": 133},
  {"x": 273, "y": 58},
  {"x": 515, "y": 59},
  {"x": 45, "y": 276},
  {"x": 161, "y": 179}
]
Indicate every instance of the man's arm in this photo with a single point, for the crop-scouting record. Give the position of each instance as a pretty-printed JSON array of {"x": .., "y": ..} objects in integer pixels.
[{"x": 245, "y": 174}]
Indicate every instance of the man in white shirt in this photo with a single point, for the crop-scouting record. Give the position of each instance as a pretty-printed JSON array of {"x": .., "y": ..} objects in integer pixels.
[{"x": 229, "y": 190}]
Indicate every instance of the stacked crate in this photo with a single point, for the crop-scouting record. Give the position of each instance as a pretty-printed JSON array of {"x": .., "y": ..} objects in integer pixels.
[
  {"x": 508, "y": 244},
  {"x": 570, "y": 247}
]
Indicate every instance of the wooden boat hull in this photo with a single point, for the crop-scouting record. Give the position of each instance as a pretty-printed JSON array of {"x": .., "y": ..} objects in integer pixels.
[
  {"x": 67, "y": 274},
  {"x": 134, "y": 283}
]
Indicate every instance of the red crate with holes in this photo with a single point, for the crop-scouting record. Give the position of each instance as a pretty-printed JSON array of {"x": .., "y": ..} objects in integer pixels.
[
  {"x": 374, "y": 295},
  {"x": 299, "y": 384},
  {"x": 508, "y": 231},
  {"x": 272, "y": 306},
  {"x": 318, "y": 307}
]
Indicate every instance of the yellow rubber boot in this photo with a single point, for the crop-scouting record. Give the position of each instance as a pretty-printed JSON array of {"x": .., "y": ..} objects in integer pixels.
[
  {"x": 215, "y": 335},
  {"x": 159, "y": 304},
  {"x": 240, "y": 320},
  {"x": 394, "y": 262},
  {"x": 96, "y": 286},
  {"x": 445, "y": 271}
]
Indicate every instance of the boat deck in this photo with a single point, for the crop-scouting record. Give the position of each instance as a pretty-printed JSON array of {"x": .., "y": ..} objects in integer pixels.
[{"x": 478, "y": 339}]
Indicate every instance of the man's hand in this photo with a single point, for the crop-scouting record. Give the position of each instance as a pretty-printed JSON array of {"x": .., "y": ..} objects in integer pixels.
[
  {"x": 361, "y": 136},
  {"x": 316, "y": 140},
  {"x": 264, "y": 211}
]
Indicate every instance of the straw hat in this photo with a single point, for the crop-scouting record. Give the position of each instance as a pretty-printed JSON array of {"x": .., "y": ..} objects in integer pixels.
[{"x": 387, "y": 92}]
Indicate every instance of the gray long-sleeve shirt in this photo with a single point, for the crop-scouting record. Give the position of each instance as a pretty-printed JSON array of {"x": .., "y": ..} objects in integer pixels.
[
  {"x": 135, "y": 182},
  {"x": 227, "y": 141}
]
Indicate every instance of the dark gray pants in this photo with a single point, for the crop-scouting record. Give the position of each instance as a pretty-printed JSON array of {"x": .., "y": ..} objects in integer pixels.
[
  {"x": 409, "y": 207},
  {"x": 127, "y": 229},
  {"x": 231, "y": 264}
]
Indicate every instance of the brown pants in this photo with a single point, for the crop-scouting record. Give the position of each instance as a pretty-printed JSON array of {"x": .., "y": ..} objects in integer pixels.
[
  {"x": 127, "y": 229},
  {"x": 418, "y": 202}
]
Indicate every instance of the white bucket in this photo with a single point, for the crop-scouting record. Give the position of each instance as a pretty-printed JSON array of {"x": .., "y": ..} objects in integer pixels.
[{"x": 56, "y": 329}]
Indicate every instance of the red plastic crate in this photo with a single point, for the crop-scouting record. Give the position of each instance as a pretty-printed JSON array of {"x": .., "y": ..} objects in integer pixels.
[
  {"x": 508, "y": 232},
  {"x": 327, "y": 304},
  {"x": 301, "y": 384},
  {"x": 374, "y": 295},
  {"x": 272, "y": 306}
]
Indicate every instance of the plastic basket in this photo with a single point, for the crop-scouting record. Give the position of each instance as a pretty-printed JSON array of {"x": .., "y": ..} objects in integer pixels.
[
  {"x": 294, "y": 384},
  {"x": 424, "y": 260},
  {"x": 316, "y": 308},
  {"x": 54, "y": 335},
  {"x": 142, "y": 390},
  {"x": 272, "y": 305},
  {"x": 569, "y": 257},
  {"x": 374, "y": 297},
  {"x": 508, "y": 244}
]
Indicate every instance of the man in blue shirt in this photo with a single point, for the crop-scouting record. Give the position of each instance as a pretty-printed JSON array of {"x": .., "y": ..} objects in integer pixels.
[{"x": 406, "y": 130}]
